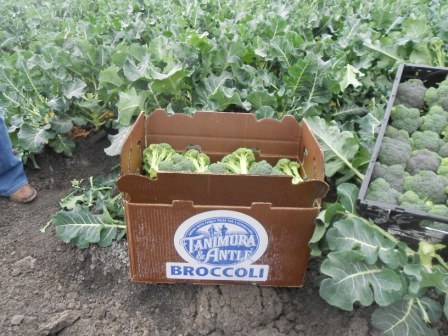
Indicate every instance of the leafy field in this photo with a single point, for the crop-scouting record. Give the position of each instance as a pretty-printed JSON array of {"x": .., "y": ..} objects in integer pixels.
[{"x": 69, "y": 68}]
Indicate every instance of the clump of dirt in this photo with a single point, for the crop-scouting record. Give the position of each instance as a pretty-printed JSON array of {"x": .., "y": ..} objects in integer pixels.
[{"x": 49, "y": 287}]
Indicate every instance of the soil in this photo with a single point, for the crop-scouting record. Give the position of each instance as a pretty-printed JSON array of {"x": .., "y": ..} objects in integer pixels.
[{"x": 48, "y": 287}]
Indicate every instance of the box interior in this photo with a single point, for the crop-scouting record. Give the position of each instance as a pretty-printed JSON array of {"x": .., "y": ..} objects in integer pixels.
[{"x": 217, "y": 134}]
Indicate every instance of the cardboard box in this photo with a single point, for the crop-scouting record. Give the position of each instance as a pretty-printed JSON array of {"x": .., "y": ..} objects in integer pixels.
[
  {"x": 215, "y": 228},
  {"x": 402, "y": 222}
]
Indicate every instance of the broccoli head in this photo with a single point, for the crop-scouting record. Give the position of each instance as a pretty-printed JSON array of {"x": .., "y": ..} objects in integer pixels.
[
  {"x": 239, "y": 161},
  {"x": 394, "y": 151},
  {"x": 218, "y": 168},
  {"x": 438, "y": 210},
  {"x": 153, "y": 155},
  {"x": 411, "y": 94},
  {"x": 178, "y": 163},
  {"x": 405, "y": 118},
  {"x": 200, "y": 160},
  {"x": 443, "y": 168},
  {"x": 438, "y": 96},
  {"x": 394, "y": 175},
  {"x": 411, "y": 200},
  {"x": 397, "y": 134},
  {"x": 427, "y": 140},
  {"x": 290, "y": 168},
  {"x": 264, "y": 168},
  {"x": 435, "y": 120},
  {"x": 423, "y": 159},
  {"x": 380, "y": 190},
  {"x": 428, "y": 185},
  {"x": 443, "y": 151}
]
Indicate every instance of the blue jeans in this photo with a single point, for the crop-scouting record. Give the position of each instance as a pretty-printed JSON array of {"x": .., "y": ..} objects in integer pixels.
[{"x": 12, "y": 174}]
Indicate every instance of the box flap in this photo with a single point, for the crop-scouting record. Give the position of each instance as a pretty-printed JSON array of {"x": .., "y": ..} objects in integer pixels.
[{"x": 223, "y": 132}]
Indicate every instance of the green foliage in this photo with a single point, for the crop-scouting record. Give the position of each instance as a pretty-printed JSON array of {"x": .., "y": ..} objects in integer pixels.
[
  {"x": 365, "y": 264},
  {"x": 320, "y": 58},
  {"x": 91, "y": 212}
]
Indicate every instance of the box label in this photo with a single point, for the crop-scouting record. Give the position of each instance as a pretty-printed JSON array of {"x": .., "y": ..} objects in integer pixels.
[{"x": 220, "y": 245}]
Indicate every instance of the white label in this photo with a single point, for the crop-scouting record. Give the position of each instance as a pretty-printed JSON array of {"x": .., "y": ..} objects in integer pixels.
[{"x": 220, "y": 245}]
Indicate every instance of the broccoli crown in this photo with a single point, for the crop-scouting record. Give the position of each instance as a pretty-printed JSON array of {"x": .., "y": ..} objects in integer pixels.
[
  {"x": 394, "y": 175},
  {"x": 427, "y": 139},
  {"x": 218, "y": 168},
  {"x": 153, "y": 155},
  {"x": 394, "y": 151},
  {"x": 379, "y": 190},
  {"x": 411, "y": 94},
  {"x": 411, "y": 200},
  {"x": 423, "y": 159},
  {"x": 438, "y": 96},
  {"x": 435, "y": 120},
  {"x": 263, "y": 168},
  {"x": 443, "y": 151},
  {"x": 239, "y": 161},
  {"x": 397, "y": 134},
  {"x": 439, "y": 209},
  {"x": 290, "y": 168},
  {"x": 405, "y": 118},
  {"x": 427, "y": 185},
  {"x": 200, "y": 160},
  {"x": 177, "y": 162},
  {"x": 443, "y": 168}
]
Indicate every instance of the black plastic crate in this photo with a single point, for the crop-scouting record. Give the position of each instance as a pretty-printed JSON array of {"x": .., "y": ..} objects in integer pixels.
[{"x": 403, "y": 223}]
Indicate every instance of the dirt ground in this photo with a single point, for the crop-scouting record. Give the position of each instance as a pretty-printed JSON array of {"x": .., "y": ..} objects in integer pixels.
[{"x": 48, "y": 287}]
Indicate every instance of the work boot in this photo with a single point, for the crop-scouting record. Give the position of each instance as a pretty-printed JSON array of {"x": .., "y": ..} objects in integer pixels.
[{"x": 24, "y": 195}]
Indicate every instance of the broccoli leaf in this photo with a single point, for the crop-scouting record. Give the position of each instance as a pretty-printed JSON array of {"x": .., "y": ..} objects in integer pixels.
[
  {"x": 404, "y": 317},
  {"x": 339, "y": 147},
  {"x": 351, "y": 280},
  {"x": 81, "y": 227}
]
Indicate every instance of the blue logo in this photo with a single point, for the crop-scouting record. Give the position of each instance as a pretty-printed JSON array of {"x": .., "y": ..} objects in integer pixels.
[
  {"x": 220, "y": 245},
  {"x": 219, "y": 241}
]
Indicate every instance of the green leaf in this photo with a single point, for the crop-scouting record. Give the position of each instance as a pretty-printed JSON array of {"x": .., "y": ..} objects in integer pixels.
[
  {"x": 404, "y": 317},
  {"x": 62, "y": 143},
  {"x": 34, "y": 139},
  {"x": 74, "y": 89},
  {"x": 81, "y": 227},
  {"x": 265, "y": 112},
  {"x": 348, "y": 195},
  {"x": 129, "y": 104},
  {"x": 339, "y": 147},
  {"x": 353, "y": 233},
  {"x": 61, "y": 125},
  {"x": 353, "y": 280},
  {"x": 135, "y": 72},
  {"x": 117, "y": 141},
  {"x": 110, "y": 75},
  {"x": 351, "y": 77},
  {"x": 171, "y": 83},
  {"x": 258, "y": 99}
]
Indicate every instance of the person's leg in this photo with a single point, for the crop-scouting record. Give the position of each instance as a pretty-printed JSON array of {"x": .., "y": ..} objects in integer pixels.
[{"x": 12, "y": 174}]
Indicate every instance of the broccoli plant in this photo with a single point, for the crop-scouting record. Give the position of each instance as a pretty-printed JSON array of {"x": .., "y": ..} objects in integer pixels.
[{"x": 290, "y": 168}]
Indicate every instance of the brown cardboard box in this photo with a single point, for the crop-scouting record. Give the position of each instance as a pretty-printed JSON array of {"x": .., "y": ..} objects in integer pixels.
[{"x": 216, "y": 229}]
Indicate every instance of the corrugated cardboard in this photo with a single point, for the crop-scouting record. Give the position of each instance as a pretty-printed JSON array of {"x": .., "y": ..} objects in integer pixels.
[{"x": 156, "y": 209}]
